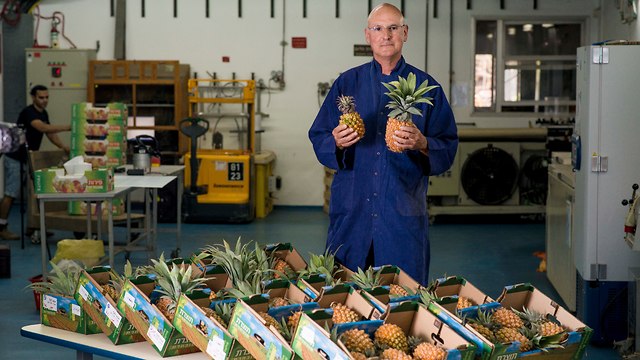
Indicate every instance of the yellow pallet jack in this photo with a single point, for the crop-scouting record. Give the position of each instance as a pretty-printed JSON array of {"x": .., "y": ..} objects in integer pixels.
[{"x": 221, "y": 181}]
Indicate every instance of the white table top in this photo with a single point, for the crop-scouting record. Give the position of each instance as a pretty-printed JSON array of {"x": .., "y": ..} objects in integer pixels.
[
  {"x": 98, "y": 344},
  {"x": 85, "y": 196}
]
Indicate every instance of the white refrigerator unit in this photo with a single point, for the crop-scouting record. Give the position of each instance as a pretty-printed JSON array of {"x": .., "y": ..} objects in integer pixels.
[{"x": 606, "y": 144}]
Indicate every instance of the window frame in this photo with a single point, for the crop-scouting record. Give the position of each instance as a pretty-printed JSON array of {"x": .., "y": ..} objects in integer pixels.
[{"x": 502, "y": 23}]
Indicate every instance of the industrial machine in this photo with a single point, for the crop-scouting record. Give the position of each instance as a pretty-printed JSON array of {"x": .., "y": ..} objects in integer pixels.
[
  {"x": 221, "y": 181},
  {"x": 64, "y": 72},
  {"x": 604, "y": 148},
  {"x": 496, "y": 171}
]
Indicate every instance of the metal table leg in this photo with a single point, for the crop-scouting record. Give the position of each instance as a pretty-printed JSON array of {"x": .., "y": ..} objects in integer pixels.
[{"x": 43, "y": 240}]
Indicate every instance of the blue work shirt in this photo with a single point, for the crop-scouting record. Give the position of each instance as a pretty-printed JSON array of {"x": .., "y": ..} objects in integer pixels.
[{"x": 379, "y": 197}]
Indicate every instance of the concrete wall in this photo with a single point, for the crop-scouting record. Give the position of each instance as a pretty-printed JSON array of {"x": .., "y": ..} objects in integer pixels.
[{"x": 252, "y": 43}]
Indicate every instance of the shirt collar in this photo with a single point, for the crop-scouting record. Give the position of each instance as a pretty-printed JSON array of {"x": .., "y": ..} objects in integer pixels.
[{"x": 396, "y": 70}]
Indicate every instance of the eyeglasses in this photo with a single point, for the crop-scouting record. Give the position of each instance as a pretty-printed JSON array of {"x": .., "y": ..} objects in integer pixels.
[{"x": 378, "y": 29}]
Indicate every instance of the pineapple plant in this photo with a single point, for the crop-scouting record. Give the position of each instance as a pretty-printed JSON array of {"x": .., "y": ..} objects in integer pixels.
[
  {"x": 404, "y": 98},
  {"x": 349, "y": 117},
  {"x": 213, "y": 315},
  {"x": 391, "y": 336},
  {"x": 540, "y": 322},
  {"x": 370, "y": 278},
  {"x": 278, "y": 301},
  {"x": 508, "y": 335},
  {"x": 171, "y": 282},
  {"x": 293, "y": 320},
  {"x": 357, "y": 340},
  {"x": 394, "y": 354},
  {"x": 343, "y": 314},
  {"x": 428, "y": 351},
  {"x": 322, "y": 265},
  {"x": 114, "y": 287},
  {"x": 61, "y": 281}
]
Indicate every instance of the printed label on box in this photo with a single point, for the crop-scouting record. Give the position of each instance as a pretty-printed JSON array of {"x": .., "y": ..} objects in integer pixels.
[
  {"x": 308, "y": 335},
  {"x": 215, "y": 348},
  {"x": 76, "y": 309},
  {"x": 50, "y": 303},
  {"x": 130, "y": 300},
  {"x": 83, "y": 292},
  {"x": 155, "y": 337},
  {"x": 113, "y": 315}
]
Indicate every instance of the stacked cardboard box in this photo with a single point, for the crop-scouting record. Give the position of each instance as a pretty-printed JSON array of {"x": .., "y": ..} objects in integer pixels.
[{"x": 99, "y": 135}]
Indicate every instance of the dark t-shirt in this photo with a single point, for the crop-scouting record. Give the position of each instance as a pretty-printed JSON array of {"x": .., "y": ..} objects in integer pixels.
[{"x": 34, "y": 137}]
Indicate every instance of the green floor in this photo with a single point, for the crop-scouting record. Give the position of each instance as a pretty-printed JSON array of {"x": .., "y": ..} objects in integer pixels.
[{"x": 490, "y": 256}]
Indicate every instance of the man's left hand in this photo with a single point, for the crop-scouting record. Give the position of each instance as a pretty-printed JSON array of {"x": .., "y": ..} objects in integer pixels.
[{"x": 410, "y": 138}]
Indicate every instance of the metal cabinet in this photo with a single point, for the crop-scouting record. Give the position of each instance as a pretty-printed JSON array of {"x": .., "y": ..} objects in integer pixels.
[{"x": 561, "y": 269}]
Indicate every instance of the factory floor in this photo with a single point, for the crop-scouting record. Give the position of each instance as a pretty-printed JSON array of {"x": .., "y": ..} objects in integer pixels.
[{"x": 489, "y": 255}]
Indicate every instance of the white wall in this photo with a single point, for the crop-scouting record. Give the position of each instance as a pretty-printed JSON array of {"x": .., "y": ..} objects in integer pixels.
[{"x": 253, "y": 45}]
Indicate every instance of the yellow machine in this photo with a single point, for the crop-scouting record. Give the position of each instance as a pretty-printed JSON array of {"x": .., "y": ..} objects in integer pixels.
[{"x": 222, "y": 187}]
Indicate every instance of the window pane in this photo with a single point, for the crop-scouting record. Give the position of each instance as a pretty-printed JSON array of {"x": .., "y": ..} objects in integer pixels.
[
  {"x": 539, "y": 79},
  {"x": 542, "y": 39},
  {"x": 485, "y": 65}
]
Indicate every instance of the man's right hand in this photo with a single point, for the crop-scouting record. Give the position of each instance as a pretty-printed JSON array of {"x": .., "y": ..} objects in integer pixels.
[{"x": 344, "y": 136}]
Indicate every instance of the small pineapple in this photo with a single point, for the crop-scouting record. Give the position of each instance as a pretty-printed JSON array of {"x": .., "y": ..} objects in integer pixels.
[
  {"x": 356, "y": 340},
  {"x": 507, "y": 318},
  {"x": 293, "y": 320},
  {"x": 213, "y": 315},
  {"x": 539, "y": 321},
  {"x": 278, "y": 302},
  {"x": 508, "y": 335},
  {"x": 396, "y": 290},
  {"x": 342, "y": 314},
  {"x": 392, "y": 336},
  {"x": 464, "y": 302},
  {"x": 282, "y": 268},
  {"x": 404, "y": 98},
  {"x": 171, "y": 283},
  {"x": 428, "y": 351},
  {"x": 394, "y": 354},
  {"x": 269, "y": 320},
  {"x": 349, "y": 117},
  {"x": 483, "y": 323}
]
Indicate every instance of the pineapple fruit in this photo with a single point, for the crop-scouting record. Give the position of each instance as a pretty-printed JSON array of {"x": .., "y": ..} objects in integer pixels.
[
  {"x": 349, "y": 117},
  {"x": 507, "y": 318},
  {"x": 356, "y": 340},
  {"x": 463, "y": 302},
  {"x": 342, "y": 314},
  {"x": 391, "y": 336},
  {"x": 404, "y": 98},
  {"x": 394, "y": 354},
  {"x": 428, "y": 351}
]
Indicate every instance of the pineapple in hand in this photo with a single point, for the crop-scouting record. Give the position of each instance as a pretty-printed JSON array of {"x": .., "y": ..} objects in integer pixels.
[
  {"x": 349, "y": 117},
  {"x": 404, "y": 98}
]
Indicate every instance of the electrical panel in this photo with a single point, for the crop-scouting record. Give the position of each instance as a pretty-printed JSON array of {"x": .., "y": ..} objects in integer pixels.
[{"x": 64, "y": 72}]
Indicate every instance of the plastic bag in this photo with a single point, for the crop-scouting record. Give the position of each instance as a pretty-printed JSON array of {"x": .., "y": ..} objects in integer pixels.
[{"x": 86, "y": 251}]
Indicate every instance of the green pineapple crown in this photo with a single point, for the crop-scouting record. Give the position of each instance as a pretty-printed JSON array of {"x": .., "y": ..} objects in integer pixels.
[
  {"x": 61, "y": 281},
  {"x": 322, "y": 265},
  {"x": 367, "y": 279},
  {"x": 404, "y": 97},
  {"x": 346, "y": 104},
  {"x": 175, "y": 280}
]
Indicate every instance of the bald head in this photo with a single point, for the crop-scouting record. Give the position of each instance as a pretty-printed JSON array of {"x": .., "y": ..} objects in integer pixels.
[{"x": 386, "y": 8}]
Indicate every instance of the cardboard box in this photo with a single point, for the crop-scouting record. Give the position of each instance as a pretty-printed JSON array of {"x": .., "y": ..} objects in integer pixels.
[
  {"x": 298, "y": 299},
  {"x": 286, "y": 252},
  {"x": 102, "y": 309},
  {"x": 522, "y": 296},
  {"x": 416, "y": 320},
  {"x": 149, "y": 321},
  {"x": 81, "y": 207},
  {"x": 251, "y": 331},
  {"x": 314, "y": 285},
  {"x": 53, "y": 180},
  {"x": 65, "y": 313},
  {"x": 312, "y": 342},
  {"x": 379, "y": 296},
  {"x": 519, "y": 297},
  {"x": 454, "y": 287},
  {"x": 112, "y": 113},
  {"x": 206, "y": 334},
  {"x": 346, "y": 295}
]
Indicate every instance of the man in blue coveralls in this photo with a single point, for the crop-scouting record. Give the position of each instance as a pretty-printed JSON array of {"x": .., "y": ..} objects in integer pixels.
[{"x": 378, "y": 210}]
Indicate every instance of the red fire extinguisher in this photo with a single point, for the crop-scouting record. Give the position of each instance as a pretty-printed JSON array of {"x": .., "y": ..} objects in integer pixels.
[{"x": 54, "y": 35}]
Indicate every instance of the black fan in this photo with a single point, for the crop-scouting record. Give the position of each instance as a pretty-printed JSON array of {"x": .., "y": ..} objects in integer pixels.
[
  {"x": 533, "y": 180},
  {"x": 490, "y": 176}
]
